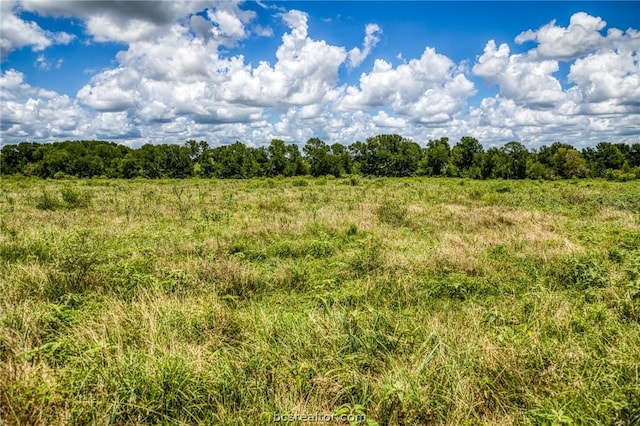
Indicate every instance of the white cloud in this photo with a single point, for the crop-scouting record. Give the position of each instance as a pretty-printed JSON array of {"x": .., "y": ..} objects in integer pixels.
[
  {"x": 10, "y": 82},
  {"x": 428, "y": 89},
  {"x": 306, "y": 71},
  {"x": 36, "y": 113},
  {"x": 371, "y": 39},
  {"x": 582, "y": 36},
  {"x": 602, "y": 91},
  {"x": 179, "y": 79},
  {"x": 607, "y": 82},
  {"x": 17, "y": 33},
  {"x": 121, "y": 21},
  {"x": 520, "y": 77},
  {"x": 174, "y": 81},
  {"x": 31, "y": 113},
  {"x": 383, "y": 119},
  {"x": 43, "y": 63},
  {"x": 112, "y": 90},
  {"x": 263, "y": 31}
]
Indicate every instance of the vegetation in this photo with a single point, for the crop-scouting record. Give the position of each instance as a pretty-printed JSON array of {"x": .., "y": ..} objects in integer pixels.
[
  {"x": 407, "y": 300},
  {"x": 381, "y": 156}
]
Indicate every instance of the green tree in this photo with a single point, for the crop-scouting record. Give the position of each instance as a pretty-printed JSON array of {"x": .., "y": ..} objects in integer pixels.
[
  {"x": 342, "y": 158},
  {"x": 234, "y": 161},
  {"x": 467, "y": 155},
  {"x": 634, "y": 155},
  {"x": 436, "y": 157},
  {"x": 574, "y": 165},
  {"x": 608, "y": 157},
  {"x": 490, "y": 162},
  {"x": 516, "y": 157},
  {"x": 296, "y": 165},
  {"x": 277, "y": 158},
  {"x": 536, "y": 170},
  {"x": 321, "y": 160},
  {"x": 553, "y": 162},
  {"x": 177, "y": 161},
  {"x": 388, "y": 155},
  {"x": 358, "y": 152},
  {"x": 130, "y": 167}
]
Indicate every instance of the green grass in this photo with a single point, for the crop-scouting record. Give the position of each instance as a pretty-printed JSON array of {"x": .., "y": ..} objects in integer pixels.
[{"x": 412, "y": 301}]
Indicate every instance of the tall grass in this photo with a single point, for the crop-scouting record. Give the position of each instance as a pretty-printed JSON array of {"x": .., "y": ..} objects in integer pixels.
[{"x": 398, "y": 301}]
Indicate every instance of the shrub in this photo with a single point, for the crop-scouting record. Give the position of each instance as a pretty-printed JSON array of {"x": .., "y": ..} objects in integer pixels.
[
  {"x": 77, "y": 265},
  {"x": 368, "y": 259},
  {"x": 48, "y": 202},
  {"x": 74, "y": 198},
  {"x": 392, "y": 213}
]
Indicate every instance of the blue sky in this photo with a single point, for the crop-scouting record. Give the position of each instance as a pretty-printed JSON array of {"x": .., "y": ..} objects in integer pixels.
[{"x": 167, "y": 71}]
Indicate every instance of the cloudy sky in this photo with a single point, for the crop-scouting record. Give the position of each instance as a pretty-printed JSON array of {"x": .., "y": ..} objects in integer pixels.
[{"x": 140, "y": 72}]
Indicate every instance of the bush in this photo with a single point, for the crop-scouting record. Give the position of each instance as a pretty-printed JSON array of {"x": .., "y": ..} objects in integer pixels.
[
  {"x": 74, "y": 198},
  {"x": 48, "y": 202},
  {"x": 392, "y": 213},
  {"x": 619, "y": 175}
]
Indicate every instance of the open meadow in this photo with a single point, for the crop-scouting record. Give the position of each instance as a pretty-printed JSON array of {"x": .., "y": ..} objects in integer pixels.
[{"x": 406, "y": 300}]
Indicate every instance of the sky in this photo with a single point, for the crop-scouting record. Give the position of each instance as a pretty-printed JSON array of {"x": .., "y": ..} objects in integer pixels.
[{"x": 137, "y": 72}]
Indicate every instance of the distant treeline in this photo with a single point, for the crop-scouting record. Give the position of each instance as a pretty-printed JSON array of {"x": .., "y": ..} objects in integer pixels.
[{"x": 382, "y": 155}]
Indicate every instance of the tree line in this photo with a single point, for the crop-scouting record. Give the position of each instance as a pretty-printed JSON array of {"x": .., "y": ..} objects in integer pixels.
[{"x": 381, "y": 155}]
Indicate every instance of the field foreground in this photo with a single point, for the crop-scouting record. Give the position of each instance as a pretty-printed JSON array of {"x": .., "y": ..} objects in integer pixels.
[{"x": 405, "y": 301}]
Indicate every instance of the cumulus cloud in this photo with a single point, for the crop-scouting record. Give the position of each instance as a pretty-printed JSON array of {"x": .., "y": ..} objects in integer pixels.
[
  {"x": 112, "y": 90},
  {"x": 44, "y": 63},
  {"x": 536, "y": 127},
  {"x": 582, "y": 36},
  {"x": 175, "y": 80},
  {"x": 306, "y": 71},
  {"x": 179, "y": 81},
  {"x": 607, "y": 81},
  {"x": 263, "y": 31},
  {"x": 230, "y": 22},
  {"x": 371, "y": 39},
  {"x": 121, "y": 21},
  {"x": 17, "y": 33},
  {"x": 602, "y": 90},
  {"x": 33, "y": 112},
  {"x": 427, "y": 89},
  {"x": 604, "y": 80},
  {"x": 519, "y": 77},
  {"x": 383, "y": 119}
]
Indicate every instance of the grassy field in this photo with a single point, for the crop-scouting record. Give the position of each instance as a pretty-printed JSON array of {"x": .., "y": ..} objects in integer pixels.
[{"x": 408, "y": 301}]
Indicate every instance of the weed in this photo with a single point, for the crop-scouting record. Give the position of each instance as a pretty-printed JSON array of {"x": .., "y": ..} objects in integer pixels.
[
  {"x": 579, "y": 272},
  {"x": 475, "y": 194},
  {"x": 392, "y": 213},
  {"x": 368, "y": 258},
  {"x": 352, "y": 229},
  {"x": 74, "y": 198},
  {"x": 48, "y": 202},
  {"x": 76, "y": 267}
]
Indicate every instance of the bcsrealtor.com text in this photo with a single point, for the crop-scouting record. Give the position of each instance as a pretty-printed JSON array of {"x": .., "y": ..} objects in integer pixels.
[{"x": 319, "y": 418}]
